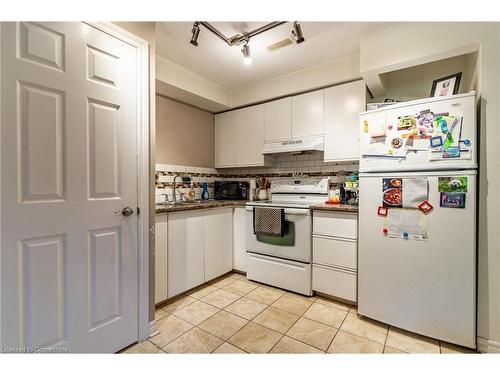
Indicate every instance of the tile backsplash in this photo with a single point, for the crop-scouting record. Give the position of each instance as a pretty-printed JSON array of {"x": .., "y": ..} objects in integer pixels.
[{"x": 285, "y": 165}]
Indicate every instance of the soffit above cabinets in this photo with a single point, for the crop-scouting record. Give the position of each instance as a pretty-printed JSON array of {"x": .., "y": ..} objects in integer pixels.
[{"x": 216, "y": 61}]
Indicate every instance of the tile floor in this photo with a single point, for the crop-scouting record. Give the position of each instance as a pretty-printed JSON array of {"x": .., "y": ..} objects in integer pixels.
[{"x": 235, "y": 315}]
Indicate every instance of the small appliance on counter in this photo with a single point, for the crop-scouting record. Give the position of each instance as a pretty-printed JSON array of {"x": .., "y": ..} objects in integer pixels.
[
  {"x": 349, "y": 193},
  {"x": 231, "y": 190}
]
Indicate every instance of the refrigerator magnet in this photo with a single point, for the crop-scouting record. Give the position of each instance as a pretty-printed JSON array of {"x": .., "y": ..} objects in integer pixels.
[
  {"x": 452, "y": 200},
  {"x": 382, "y": 211},
  {"x": 451, "y": 152},
  {"x": 425, "y": 207},
  {"x": 436, "y": 141}
]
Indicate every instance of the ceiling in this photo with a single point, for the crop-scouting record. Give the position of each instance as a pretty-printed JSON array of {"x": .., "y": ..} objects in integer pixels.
[{"x": 216, "y": 61}]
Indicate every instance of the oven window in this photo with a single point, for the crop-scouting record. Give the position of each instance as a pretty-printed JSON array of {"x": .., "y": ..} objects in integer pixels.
[{"x": 287, "y": 240}]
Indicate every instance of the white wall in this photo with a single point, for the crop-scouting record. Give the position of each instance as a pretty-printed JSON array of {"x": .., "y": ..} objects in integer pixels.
[
  {"x": 333, "y": 72},
  {"x": 395, "y": 46},
  {"x": 196, "y": 90},
  {"x": 181, "y": 84}
]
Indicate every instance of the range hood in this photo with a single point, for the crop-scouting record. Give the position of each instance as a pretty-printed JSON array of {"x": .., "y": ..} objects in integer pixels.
[{"x": 294, "y": 145}]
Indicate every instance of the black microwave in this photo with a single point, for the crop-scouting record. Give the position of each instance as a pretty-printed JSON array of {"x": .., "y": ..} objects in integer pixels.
[{"x": 232, "y": 190}]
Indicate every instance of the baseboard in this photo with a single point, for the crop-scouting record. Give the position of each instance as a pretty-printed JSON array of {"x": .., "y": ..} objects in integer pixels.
[
  {"x": 487, "y": 345},
  {"x": 153, "y": 329}
]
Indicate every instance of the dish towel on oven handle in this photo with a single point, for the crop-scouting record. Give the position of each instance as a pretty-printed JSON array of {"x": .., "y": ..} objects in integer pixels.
[{"x": 269, "y": 221}]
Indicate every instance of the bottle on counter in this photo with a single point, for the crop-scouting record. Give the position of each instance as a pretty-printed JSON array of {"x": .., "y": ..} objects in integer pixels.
[{"x": 204, "y": 192}]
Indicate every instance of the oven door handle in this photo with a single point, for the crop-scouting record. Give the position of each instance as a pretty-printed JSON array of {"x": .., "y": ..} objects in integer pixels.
[{"x": 288, "y": 211}]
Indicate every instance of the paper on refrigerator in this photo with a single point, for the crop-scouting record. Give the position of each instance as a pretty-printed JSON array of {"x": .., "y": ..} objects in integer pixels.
[{"x": 405, "y": 223}]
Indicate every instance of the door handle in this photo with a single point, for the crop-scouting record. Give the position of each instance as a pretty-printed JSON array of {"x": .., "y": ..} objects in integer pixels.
[{"x": 127, "y": 211}]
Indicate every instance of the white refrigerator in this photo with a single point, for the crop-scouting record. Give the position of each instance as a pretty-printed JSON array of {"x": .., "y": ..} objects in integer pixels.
[{"x": 417, "y": 217}]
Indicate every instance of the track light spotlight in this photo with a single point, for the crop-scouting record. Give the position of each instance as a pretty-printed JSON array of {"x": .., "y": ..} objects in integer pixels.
[
  {"x": 297, "y": 32},
  {"x": 247, "y": 59},
  {"x": 195, "y": 31}
]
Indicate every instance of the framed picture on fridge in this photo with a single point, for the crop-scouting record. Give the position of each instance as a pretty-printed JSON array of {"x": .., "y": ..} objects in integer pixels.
[{"x": 446, "y": 86}]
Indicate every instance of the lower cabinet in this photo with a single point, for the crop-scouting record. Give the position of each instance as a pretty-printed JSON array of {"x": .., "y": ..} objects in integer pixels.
[
  {"x": 186, "y": 251},
  {"x": 161, "y": 232},
  {"x": 218, "y": 242},
  {"x": 200, "y": 247},
  {"x": 239, "y": 239},
  {"x": 335, "y": 252}
]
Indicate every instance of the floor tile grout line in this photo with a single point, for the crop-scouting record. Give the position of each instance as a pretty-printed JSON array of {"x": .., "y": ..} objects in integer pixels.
[
  {"x": 336, "y": 333},
  {"x": 159, "y": 347},
  {"x": 386, "y": 337},
  {"x": 300, "y": 316}
]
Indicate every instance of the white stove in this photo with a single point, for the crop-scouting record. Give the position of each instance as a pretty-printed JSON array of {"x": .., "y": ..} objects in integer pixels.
[
  {"x": 285, "y": 262},
  {"x": 296, "y": 193}
]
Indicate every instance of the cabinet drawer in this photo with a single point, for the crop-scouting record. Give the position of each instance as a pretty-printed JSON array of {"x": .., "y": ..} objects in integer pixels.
[
  {"x": 335, "y": 282},
  {"x": 336, "y": 224},
  {"x": 282, "y": 273},
  {"x": 335, "y": 252}
]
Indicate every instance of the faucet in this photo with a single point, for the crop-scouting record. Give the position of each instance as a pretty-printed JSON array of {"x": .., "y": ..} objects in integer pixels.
[
  {"x": 185, "y": 180},
  {"x": 174, "y": 199}
]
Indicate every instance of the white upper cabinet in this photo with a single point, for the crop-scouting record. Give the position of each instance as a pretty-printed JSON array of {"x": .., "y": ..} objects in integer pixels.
[
  {"x": 343, "y": 103},
  {"x": 307, "y": 114},
  {"x": 278, "y": 120},
  {"x": 250, "y": 136},
  {"x": 226, "y": 135},
  {"x": 239, "y": 137}
]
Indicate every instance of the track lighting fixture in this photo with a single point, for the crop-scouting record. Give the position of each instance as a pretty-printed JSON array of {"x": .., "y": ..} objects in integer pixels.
[
  {"x": 195, "y": 31},
  {"x": 244, "y": 39},
  {"x": 247, "y": 59},
  {"x": 297, "y": 32}
]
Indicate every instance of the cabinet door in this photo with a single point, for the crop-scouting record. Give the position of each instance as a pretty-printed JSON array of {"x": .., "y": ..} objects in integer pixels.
[
  {"x": 186, "y": 255},
  {"x": 239, "y": 240},
  {"x": 250, "y": 136},
  {"x": 161, "y": 290},
  {"x": 278, "y": 120},
  {"x": 218, "y": 242},
  {"x": 343, "y": 103},
  {"x": 307, "y": 114},
  {"x": 226, "y": 139}
]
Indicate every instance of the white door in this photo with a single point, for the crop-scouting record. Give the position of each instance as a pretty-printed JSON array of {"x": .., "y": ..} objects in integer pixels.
[
  {"x": 161, "y": 259},
  {"x": 226, "y": 139},
  {"x": 307, "y": 114},
  {"x": 428, "y": 286},
  {"x": 69, "y": 167},
  {"x": 278, "y": 120},
  {"x": 218, "y": 242},
  {"x": 186, "y": 251},
  {"x": 239, "y": 242},
  {"x": 342, "y": 105},
  {"x": 417, "y": 155},
  {"x": 250, "y": 135}
]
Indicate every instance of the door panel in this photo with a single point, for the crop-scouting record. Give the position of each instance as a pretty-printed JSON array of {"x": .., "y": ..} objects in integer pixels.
[
  {"x": 42, "y": 127},
  {"x": 218, "y": 242},
  {"x": 307, "y": 114},
  {"x": 69, "y": 258},
  {"x": 42, "y": 274}
]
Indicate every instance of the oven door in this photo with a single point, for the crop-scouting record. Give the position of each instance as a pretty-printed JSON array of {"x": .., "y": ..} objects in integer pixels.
[{"x": 295, "y": 245}]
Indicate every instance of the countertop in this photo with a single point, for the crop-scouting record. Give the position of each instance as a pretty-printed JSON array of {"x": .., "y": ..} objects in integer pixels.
[
  {"x": 198, "y": 205},
  {"x": 334, "y": 207}
]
